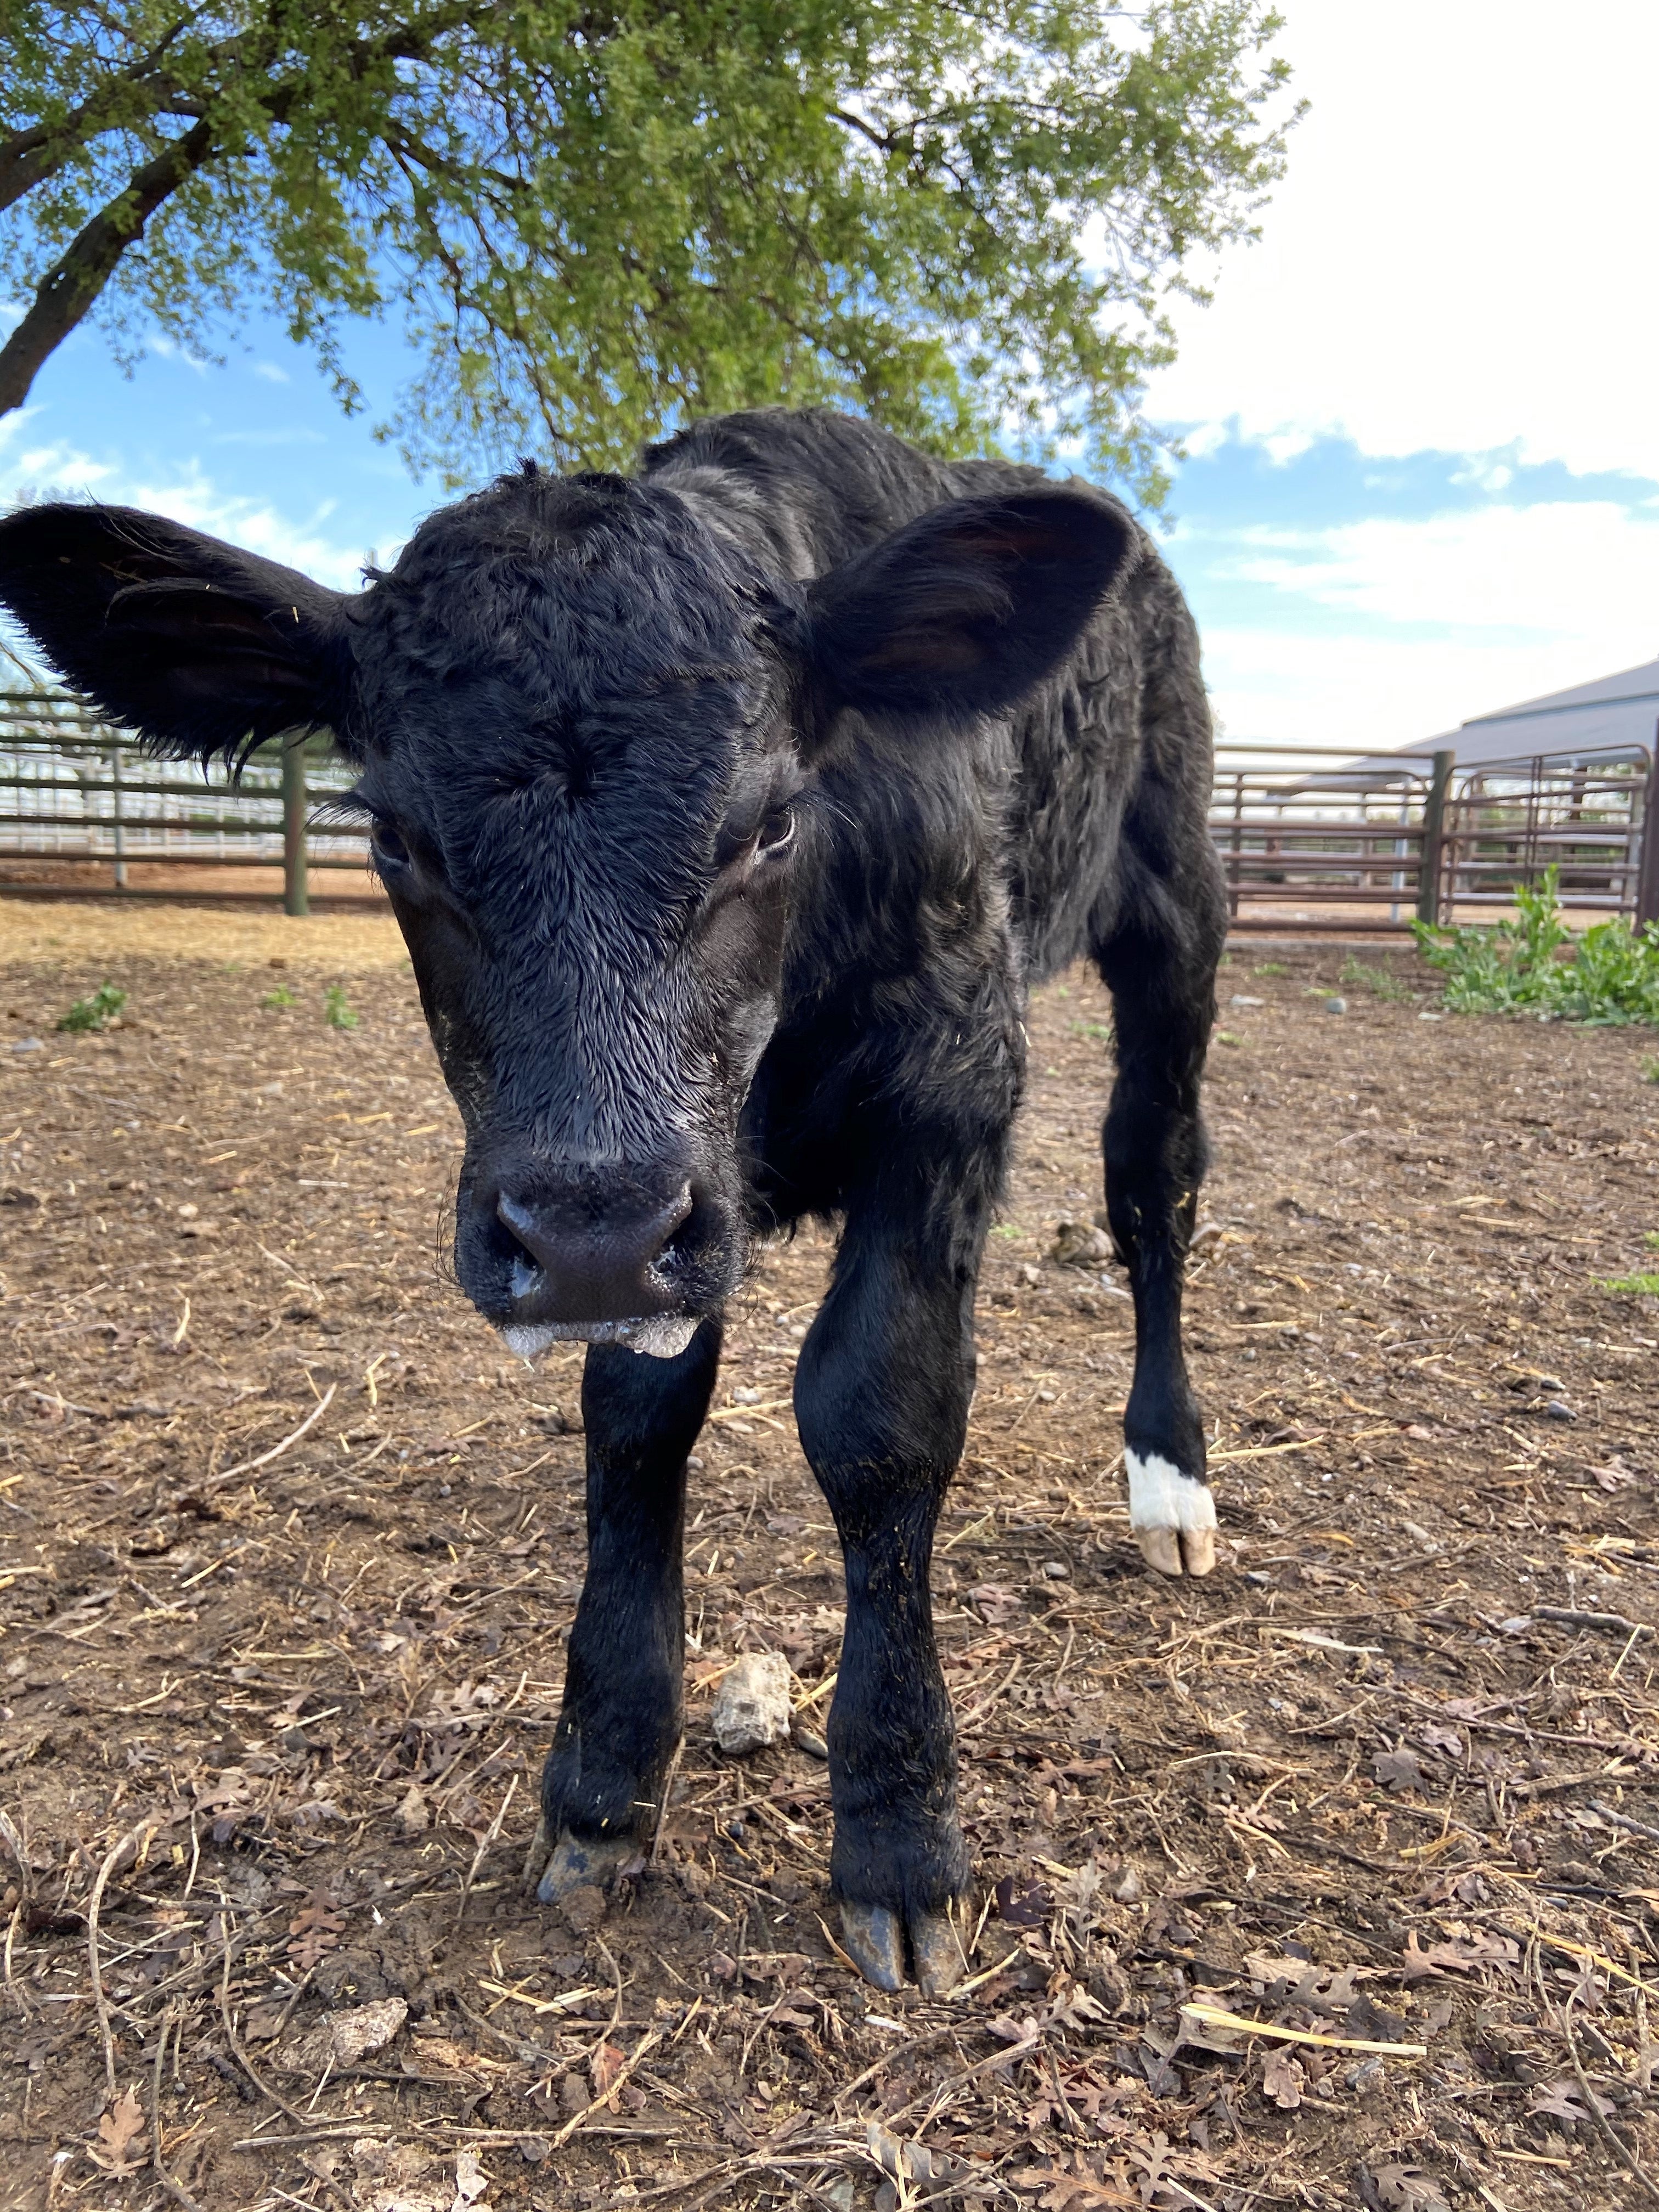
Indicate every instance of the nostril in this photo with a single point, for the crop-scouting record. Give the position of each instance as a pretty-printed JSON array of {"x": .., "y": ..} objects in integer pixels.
[
  {"x": 671, "y": 1221},
  {"x": 519, "y": 1224},
  {"x": 525, "y": 1260}
]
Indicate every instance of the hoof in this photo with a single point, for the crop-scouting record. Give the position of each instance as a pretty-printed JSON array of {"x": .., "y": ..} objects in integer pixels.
[
  {"x": 875, "y": 1944},
  {"x": 1178, "y": 1551},
  {"x": 571, "y": 1863},
  {"x": 874, "y": 1937},
  {"x": 936, "y": 1949},
  {"x": 540, "y": 1846},
  {"x": 1171, "y": 1514}
]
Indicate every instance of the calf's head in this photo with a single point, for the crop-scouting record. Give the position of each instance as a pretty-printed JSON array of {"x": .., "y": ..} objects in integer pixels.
[{"x": 585, "y": 721}]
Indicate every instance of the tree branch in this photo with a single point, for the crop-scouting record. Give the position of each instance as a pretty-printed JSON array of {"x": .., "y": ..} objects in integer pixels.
[
  {"x": 29, "y": 156},
  {"x": 69, "y": 289}
]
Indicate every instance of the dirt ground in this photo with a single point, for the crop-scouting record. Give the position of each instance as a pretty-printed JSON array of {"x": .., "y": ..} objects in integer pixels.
[{"x": 291, "y": 1549}]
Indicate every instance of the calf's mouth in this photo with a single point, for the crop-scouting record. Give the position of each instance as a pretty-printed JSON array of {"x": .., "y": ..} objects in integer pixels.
[{"x": 663, "y": 1336}]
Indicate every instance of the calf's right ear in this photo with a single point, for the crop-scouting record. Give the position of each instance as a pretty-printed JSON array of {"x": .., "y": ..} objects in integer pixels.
[{"x": 201, "y": 648}]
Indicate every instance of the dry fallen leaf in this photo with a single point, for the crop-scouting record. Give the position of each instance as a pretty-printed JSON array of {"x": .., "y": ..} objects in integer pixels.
[
  {"x": 1564, "y": 2101},
  {"x": 470, "y": 2180},
  {"x": 1462, "y": 1955},
  {"x": 1283, "y": 2080},
  {"x": 1408, "y": 2189},
  {"x": 314, "y": 1931},
  {"x": 1397, "y": 1770},
  {"x": 606, "y": 2064},
  {"x": 121, "y": 2148}
]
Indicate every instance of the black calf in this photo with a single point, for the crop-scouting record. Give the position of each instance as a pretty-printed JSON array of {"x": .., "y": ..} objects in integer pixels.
[{"x": 729, "y": 813}]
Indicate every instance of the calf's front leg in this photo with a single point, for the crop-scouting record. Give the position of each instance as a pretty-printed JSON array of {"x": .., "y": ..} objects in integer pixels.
[
  {"x": 622, "y": 1710},
  {"x": 881, "y": 1397}
]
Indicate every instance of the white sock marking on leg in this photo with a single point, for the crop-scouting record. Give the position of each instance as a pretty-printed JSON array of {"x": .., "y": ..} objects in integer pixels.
[{"x": 1161, "y": 1497}]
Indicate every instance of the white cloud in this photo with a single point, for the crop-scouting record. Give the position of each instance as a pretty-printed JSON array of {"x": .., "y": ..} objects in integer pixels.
[
  {"x": 1581, "y": 575},
  {"x": 188, "y": 495},
  {"x": 1384, "y": 633},
  {"x": 1365, "y": 691},
  {"x": 168, "y": 349},
  {"x": 192, "y": 497},
  {"x": 271, "y": 372},
  {"x": 1461, "y": 253}
]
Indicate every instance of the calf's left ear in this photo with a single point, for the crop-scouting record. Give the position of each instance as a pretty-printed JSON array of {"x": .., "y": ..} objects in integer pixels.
[
  {"x": 965, "y": 609},
  {"x": 201, "y": 647}
]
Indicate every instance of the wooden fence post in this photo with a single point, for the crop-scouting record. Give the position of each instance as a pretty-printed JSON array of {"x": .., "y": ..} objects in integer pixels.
[
  {"x": 1647, "y": 880},
  {"x": 1434, "y": 839},
  {"x": 296, "y": 894}
]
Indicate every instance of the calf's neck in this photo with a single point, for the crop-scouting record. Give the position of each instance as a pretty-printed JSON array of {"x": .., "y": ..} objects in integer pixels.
[{"x": 730, "y": 812}]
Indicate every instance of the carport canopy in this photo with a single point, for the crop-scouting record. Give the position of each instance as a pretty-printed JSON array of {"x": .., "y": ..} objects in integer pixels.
[{"x": 1614, "y": 712}]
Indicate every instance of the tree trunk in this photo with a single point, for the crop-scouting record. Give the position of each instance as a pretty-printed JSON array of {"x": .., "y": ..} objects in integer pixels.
[{"x": 70, "y": 287}]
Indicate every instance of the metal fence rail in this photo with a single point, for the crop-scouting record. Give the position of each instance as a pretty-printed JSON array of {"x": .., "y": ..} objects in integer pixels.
[
  {"x": 1585, "y": 816},
  {"x": 1310, "y": 838},
  {"x": 1304, "y": 826},
  {"x": 74, "y": 788}
]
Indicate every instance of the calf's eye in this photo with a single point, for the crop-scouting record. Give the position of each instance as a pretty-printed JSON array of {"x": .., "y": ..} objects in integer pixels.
[
  {"x": 778, "y": 830},
  {"x": 389, "y": 848}
]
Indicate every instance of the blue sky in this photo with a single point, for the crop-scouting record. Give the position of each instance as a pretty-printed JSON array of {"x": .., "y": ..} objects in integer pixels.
[{"x": 1424, "y": 447}]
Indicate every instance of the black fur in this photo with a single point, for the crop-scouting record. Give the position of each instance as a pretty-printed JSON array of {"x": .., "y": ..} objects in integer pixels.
[{"x": 730, "y": 813}]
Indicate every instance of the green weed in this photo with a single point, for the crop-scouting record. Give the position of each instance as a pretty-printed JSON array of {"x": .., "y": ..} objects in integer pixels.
[
  {"x": 96, "y": 1012},
  {"x": 1379, "y": 981},
  {"x": 1651, "y": 1240},
  {"x": 281, "y": 996},
  {"x": 336, "y": 1012},
  {"x": 1100, "y": 1031},
  {"x": 1641, "y": 1286},
  {"x": 1270, "y": 968},
  {"x": 1607, "y": 975},
  {"x": 1650, "y": 1070}
]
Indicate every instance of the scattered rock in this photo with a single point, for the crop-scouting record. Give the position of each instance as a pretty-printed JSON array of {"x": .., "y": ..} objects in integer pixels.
[
  {"x": 369, "y": 2027},
  {"x": 1559, "y": 1410},
  {"x": 1080, "y": 1244},
  {"x": 583, "y": 1908},
  {"x": 1336, "y": 1005},
  {"x": 752, "y": 1706},
  {"x": 345, "y": 2039}
]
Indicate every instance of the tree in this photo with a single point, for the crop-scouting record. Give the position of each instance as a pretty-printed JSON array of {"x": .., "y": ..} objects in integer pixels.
[{"x": 962, "y": 217}]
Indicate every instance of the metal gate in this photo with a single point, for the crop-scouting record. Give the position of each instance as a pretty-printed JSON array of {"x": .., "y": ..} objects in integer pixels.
[
  {"x": 1313, "y": 840},
  {"x": 1310, "y": 838}
]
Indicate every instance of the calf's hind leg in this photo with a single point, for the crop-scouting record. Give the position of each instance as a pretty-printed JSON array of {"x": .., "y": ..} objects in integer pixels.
[
  {"x": 624, "y": 1705},
  {"x": 1164, "y": 998}
]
